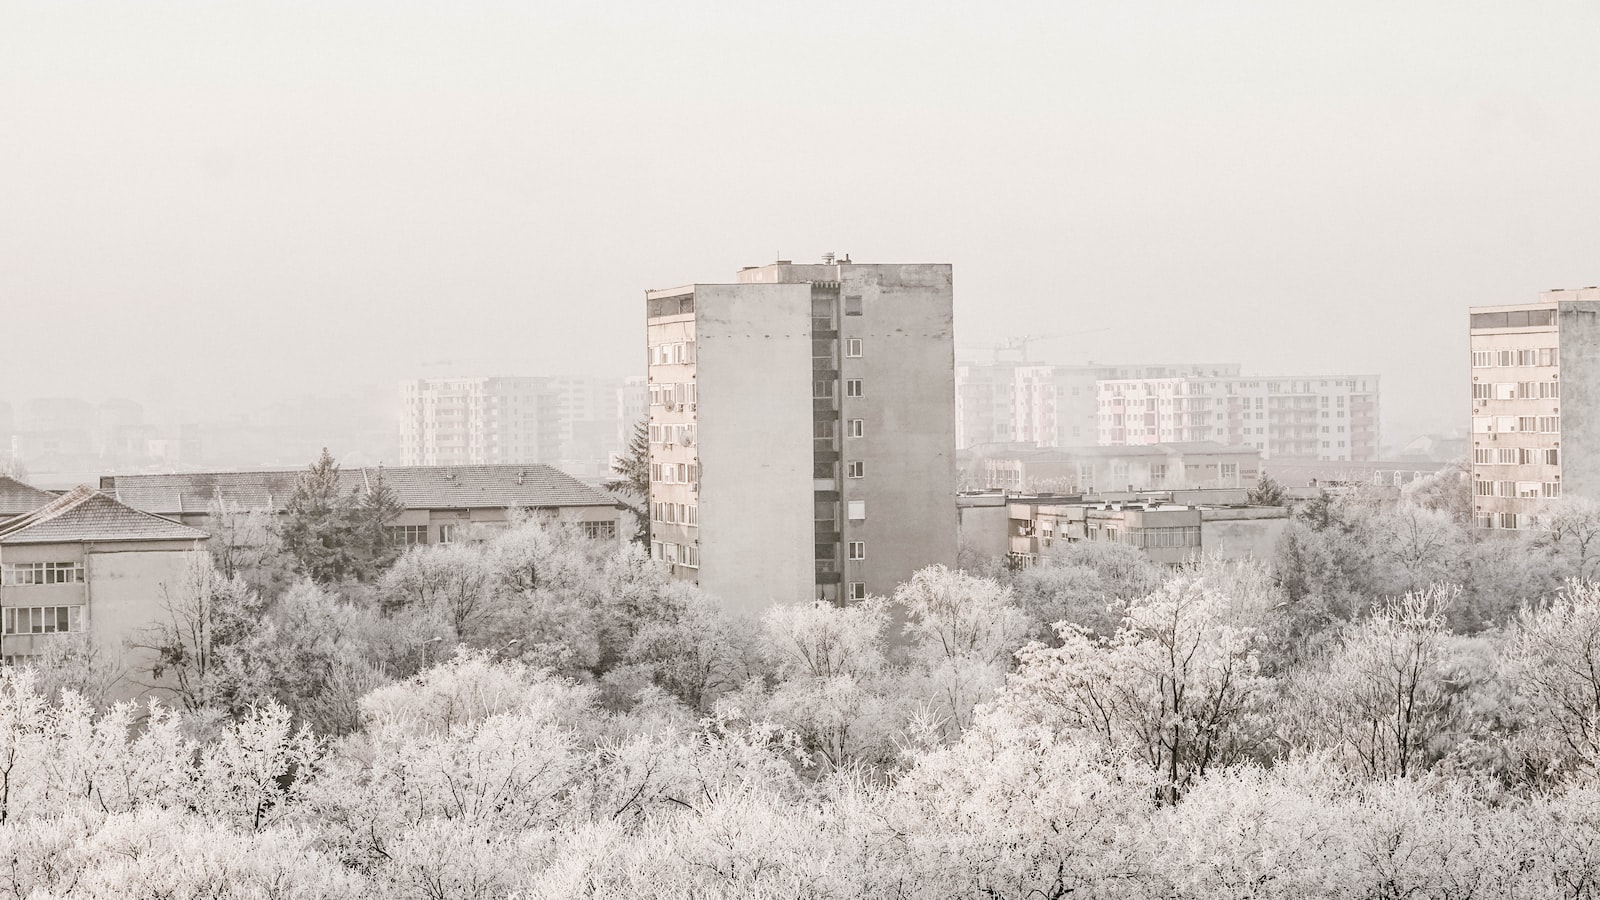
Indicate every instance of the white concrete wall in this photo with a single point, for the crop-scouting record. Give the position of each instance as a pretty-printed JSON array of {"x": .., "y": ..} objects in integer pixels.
[{"x": 754, "y": 443}]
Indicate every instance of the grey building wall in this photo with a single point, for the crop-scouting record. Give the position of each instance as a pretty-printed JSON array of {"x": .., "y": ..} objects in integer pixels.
[
  {"x": 754, "y": 445},
  {"x": 907, "y": 372},
  {"x": 1578, "y": 324}
]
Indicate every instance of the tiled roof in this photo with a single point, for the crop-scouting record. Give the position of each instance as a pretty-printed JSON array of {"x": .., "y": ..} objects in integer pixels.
[
  {"x": 418, "y": 487},
  {"x": 17, "y": 498},
  {"x": 470, "y": 487},
  {"x": 172, "y": 495},
  {"x": 84, "y": 514}
]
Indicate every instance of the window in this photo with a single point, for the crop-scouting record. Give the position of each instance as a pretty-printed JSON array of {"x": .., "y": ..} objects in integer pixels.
[
  {"x": 852, "y": 388},
  {"x": 691, "y": 515},
  {"x": 822, "y": 433},
  {"x": 1550, "y": 424},
  {"x": 408, "y": 535},
  {"x": 858, "y": 549},
  {"x": 858, "y": 590},
  {"x": 1230, "y": 470},
  {"x": 447, "y": 534},
  {"x": 822, "y": 390},
  {"x": 1482, "y": 359},
  {"x": 852, "y": 347},
  {"x": 43, "y": 619},
  {"x": 599, "y": 530},
  {"x": 691, "y": 556},
  {"x": 1483, "y": 456},
  {"x": 856, "y": 510},
  {"x": 857, "y": 469},
  {"x": 16, "y": 574},
  {"x": 856, "y": 428},
  {"x": 1165, "y": 538},
  {"x": 852, "y": 304}
]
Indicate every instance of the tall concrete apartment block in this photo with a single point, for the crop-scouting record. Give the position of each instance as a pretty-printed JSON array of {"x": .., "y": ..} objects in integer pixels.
[
  {"x": 1535, "y": 405},
  {"x": 1323, "y": 417},
  {"x": 802, "y": 430}
]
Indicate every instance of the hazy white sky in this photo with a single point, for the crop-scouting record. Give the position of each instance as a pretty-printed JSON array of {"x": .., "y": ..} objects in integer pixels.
[{"x": 205, "y": 202}]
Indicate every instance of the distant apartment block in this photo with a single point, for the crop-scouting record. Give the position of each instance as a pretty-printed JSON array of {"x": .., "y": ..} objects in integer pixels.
[
  {"x": 475, "y": 421},
  {"x": 565, "y": 421},
  {"x": 802, "y": 430},
  {"x": 1531, "y": 444},
  {"x": 1051, "y": 405},
  {"x": 1327, "y": 417},
  {"x": 1152, "y": 467},
  {"x": 633, "y": 407}
]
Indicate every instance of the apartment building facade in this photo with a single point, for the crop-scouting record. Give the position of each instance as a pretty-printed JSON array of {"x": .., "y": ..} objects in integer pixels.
[
  {"x": 802, "y": 430},
  {"x": 476, "y": 421},
  {"x": 1535, "y": 388},
  {"x": 571, "y": 422},
  {"x": 1050, "y": 405},
  {"x": 1327, "y": 417},
  {"x": 84, "y": 563}
]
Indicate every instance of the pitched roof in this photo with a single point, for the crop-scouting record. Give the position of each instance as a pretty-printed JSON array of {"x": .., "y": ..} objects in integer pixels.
[
  {"x": 84, "y": 514},
  {"x": 172, "y": 495},
  {"x": 471, "y": 487},
  {"x": 417, "y": 487},
  {"x": 17, "y": 498}
]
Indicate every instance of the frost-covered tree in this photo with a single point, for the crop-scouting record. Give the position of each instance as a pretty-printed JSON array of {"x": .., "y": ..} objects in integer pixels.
[
  {"x": 963, "y": 632},
  {"x": 1178, "y": 686}
]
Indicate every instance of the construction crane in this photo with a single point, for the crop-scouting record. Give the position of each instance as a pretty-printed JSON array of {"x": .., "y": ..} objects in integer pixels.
[{"x": 1018, "y": 344}]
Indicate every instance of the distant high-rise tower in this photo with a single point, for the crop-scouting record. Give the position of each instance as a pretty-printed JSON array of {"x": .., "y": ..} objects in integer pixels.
[
  {"x": 476, "y": 421},
  {"x": 1535, "y": 405},
  {"x": 802, "y": 430}
]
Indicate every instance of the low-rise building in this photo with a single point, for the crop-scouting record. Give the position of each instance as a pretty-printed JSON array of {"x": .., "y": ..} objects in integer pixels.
[
  {"x": 1152, "y": 467},
  {"x": 440, "y": 502},
  {"x": 1170, "y": 527},
  {"x": 84, "y": 563}
]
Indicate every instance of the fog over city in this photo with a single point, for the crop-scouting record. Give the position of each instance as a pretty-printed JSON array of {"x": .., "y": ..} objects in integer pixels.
[
  {"x": 216, "y": 210},
  {"x": 476, "y": 450}
]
